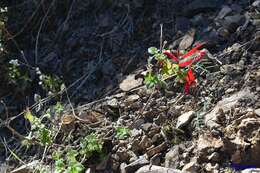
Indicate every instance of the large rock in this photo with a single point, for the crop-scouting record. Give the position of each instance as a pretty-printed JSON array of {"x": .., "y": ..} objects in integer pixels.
[
  {"x": 225, "y": 104},
  {"x": 184, "y": 119},
  {"x": 132, "y": 167},
  {"x": 157, "y": 169},
  {"x": 130, "y": 83},
  {"x": 224, "y": 11},
  {"x": 251, "y": 170},
  {"x": 256, "y": 4},
  {"x": 172, "y": 158}
]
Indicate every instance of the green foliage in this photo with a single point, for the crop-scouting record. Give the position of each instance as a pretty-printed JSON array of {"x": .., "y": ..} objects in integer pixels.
[
  {"x": 122, "y": 132},
  {"x": 163, "y": 65},
  {"x": 39, "y": 130},
  {"x": 50, "y": 83},
  {"x": 68, "y": 165},
  {"x": 151, "y": 80},
  {"x": 67, "y": 160},
  {"x": 157, "y": 77},
  {"x": 17, "y": 76},
  {"x": 90, "y": 145}
]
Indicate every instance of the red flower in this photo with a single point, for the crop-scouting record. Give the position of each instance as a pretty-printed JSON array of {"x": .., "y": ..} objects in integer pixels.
[
  {"x": 190, "y": 80},
  {"x": 194, "y": 55}
]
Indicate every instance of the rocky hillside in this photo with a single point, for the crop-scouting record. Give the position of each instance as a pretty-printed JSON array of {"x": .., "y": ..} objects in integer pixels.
[{"x": 106, "y": 119}]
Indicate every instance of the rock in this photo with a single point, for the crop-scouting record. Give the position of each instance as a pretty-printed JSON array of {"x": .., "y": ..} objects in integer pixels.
[
  {"x": 123, "y": 154},
  {"x": 113, "y": 103},
  {"x": 172, "y": 158},
  {"x": 232, "y": 22},
  {"x": 132, "y": 98},
  {"x": 257, "y": 112},
  {"x": 157, "y": 169},
  {"x": 191, "y": 167},
  {"x": 184, "y": 119},
  {"x": 225, "y": 104},
  {"x": 211, "y": 168},
  {"x": 156, "y": 149},
  {"x": 187, "y": 40},
  {"x": 145, "y": 143},
  {"x": 137, "y": 124},
  {"x": 206, "y": 145},
  {"x": 146, "y": 127},
  {"x": 157, "y": 138},
  {"x": 156, "y": 159},
  {"x": 248, "y": 128},
  {"x": 224, "y": 11},
  {"x": 135, "y": 146},
  {"x": 236, "y": 8},
  {"x": 251, "y": 170},
  {"x": 130, "y": 83},
  {"x": 132, "y": 167},
  {"x": 122, "y": 167},
  {"x": 223, "y": 32},
  {"x": 135, "y": 133},
  {"x": 256, "y": 4},
  {"x": 198, "y": 6}
]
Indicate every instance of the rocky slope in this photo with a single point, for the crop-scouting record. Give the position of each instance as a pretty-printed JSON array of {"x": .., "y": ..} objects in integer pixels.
[{"x": 216, "y": 129}]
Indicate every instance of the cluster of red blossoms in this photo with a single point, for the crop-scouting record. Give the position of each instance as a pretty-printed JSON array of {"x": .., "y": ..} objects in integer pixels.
[{"x": 186, "y": 61}]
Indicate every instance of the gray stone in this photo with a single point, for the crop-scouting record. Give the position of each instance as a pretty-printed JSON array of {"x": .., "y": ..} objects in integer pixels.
[
  {"x": 231, "y": 23},
  {"x": 172, "y": 158},
  {"x": 257, "y": 112},
  {"x": 256, "y": 4},
  {"x": 191, "y": 167},
  {"x": 187, "y": 40},
  {"x": 156, "y": 150},
  {"x": 225, "y": 104},
  {"x": 184, "y": 119},
  {"x": 130, "y": 83},
  {"x": 113, "y": 102},
  {"x": 132, "y": 98},
  {"x": 251, "y": 170},
  {"x": 147, "y": 126},
  {"x": 157, "y": 169},
  {"x": 132, "y": 167},
  {"x": 224, "y": 11},
  {"x": 137, "y": 124}
]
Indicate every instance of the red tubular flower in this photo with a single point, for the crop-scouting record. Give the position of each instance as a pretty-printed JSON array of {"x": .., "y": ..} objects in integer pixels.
[
  {"x": 190, "y": 79},
  {"x": 170, "y": 55},
  {"x": 193, "y": 50},
  {"x": 194, "y": 55}
]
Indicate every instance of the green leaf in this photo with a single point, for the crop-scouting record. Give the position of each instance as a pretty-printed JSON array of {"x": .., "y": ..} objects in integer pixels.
[
  {"x": 153, "y": 50},
  {"x": 122, "y": 132},
  {"x": 29, "y": 116},
  {"x": 45, "y": 136},
  {"x": 90, "y": 145},
  {"x": 59, "y": 166}
]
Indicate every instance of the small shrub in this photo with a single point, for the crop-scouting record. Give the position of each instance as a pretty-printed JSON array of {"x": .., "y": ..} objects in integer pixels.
[
  {"x": 90, "y": 145},
  {"x": 179, "y": 66},
  {"x": 122, "y": 132}
]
